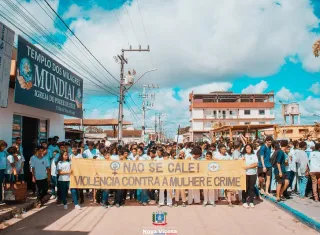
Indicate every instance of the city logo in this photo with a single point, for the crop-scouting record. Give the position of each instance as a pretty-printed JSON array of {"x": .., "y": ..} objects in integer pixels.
[
  {"x": 78, "y": 98},
  {"x": 213, "y": 167},
  {"x": 24, "y": 74},
  {"x": 159, "y": 218}
]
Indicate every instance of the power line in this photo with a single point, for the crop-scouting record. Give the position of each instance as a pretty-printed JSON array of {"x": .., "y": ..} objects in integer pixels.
[
  {"x": 70, "y": 38},
  {"x": 142, "y": 22},
  {"x": 129, "y": 95},
  {"x": 37, "y": 40},
  {"x": 38, "y": 29},
  {"x": 131, "y": 24},
  {"x": 80, "y": 41},
  {"x": 119, "y": 22}
]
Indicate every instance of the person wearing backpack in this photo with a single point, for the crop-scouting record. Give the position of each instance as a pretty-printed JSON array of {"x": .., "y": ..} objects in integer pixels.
[
  {"x": 281, "y": 176},
  {"x": 264, "y": 165}
]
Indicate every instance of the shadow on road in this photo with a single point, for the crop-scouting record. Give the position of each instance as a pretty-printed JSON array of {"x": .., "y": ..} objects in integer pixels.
[{"x": 43, "y": 220}]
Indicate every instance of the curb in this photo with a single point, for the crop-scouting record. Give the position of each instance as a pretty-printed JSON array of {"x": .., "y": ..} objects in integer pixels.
[
  {"x": 18, "y": 210},
  {"x": 297, "y": 214}
]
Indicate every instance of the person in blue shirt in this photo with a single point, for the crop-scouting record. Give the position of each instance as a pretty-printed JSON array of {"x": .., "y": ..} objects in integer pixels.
[
  {"x": 3, "y": 161},
  {"x": 41, "y": 174},
  {"x": 264, "y": 165},
  {"x": 52, "y": 147},
  {"x": 280, "y": 171}
]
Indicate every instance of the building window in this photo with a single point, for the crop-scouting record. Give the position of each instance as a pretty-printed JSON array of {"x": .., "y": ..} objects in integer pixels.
[
  {"x": 247, "y": 112},
  {"x": 247, "y": 123},
  {"x": 231, "y": 113},
  {"x": 289, "y": 131},
  {"x": 207, "y": 125},
  {"x": 262, "y": 112}
]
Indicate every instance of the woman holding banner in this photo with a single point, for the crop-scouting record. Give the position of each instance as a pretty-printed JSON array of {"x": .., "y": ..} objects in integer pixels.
[
  {"x": 223, "y": 155},
  {"x": 194, "y": 194},
  {"x": 181, "y": 192}
]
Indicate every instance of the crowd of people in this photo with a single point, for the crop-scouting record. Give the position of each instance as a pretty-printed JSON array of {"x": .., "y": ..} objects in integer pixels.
[{"x": 281, "y": 167}]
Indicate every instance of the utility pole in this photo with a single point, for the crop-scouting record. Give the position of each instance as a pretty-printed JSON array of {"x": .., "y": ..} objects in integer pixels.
[
  {"x": 123, "y": 83},
  {"x": 159, "y": 123},
  {"x": 147, "y": 101},
  {"x": 155, "y": 126}
]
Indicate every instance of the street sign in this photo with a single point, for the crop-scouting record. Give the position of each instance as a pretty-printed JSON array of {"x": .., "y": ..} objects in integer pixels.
[{"x": 6, "y": 44}]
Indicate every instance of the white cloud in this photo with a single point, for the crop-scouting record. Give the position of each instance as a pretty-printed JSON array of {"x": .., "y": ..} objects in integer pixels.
[
  {"x": 310, "y": 106},
  {"x": 285, "y": 95},
  {"x": 256, "y": 89},
  {"x": 315, "y": 88},
  {"x": 194, "y": 43}
]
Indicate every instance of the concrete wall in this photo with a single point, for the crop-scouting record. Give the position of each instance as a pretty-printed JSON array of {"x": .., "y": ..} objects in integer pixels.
[
  {"x": 197, "y": 113},
  {"x": 55, "y": 121},
  {"x": 197, "y": 125}
]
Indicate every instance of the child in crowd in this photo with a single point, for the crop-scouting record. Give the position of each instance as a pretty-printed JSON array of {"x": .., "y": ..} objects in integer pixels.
[
  {"x": 64, "y": 170},
  {"x": 11, "y": 168},
  {"x": 54, "y": 181},
  {"x": 3, "y": 164},
  {"x": 76, "y": 193},
  {"x": 194, "y": 194},
  {"x": 251, "y": 160},
  {"x": 164, "y": 156},
  {"x": 41, "y": 174},
  {"x": 315, "y": 171},
  {"x": 208, "y": 194},
  {"x": 181, "y": 192}
]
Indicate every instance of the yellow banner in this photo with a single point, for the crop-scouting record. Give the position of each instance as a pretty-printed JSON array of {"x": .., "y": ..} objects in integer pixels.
[{"x": 166, "y": 174}]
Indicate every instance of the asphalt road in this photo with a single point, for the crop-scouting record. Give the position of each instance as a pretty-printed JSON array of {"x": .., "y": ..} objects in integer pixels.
[{"x": 192, "y": 220}]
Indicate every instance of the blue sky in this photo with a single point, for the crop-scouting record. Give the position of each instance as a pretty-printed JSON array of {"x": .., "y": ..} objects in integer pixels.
[{"x": 234, "y": 45}]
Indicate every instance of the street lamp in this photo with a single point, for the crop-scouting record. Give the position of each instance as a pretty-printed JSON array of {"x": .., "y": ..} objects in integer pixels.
[{"x": 151, "y": 70}]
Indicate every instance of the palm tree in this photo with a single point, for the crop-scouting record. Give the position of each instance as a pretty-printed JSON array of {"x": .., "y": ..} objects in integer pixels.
[{"x": 316, "y": 48}]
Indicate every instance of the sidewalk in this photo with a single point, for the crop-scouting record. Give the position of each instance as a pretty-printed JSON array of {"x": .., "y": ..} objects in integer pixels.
[
  {"x": 307, "y": 211},
  {"x": 9, "y": 210}
]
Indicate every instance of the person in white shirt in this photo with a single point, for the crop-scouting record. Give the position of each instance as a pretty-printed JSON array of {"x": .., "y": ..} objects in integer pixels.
[
  {"x": 302, "y": 168},
  {"x": 107, "y": 142},
  {"x": 164, "y": 156},
  {"x": 208, "y": 194},
  {"x": 181, "y": 192},
  {"x": 64, "y": 170},
  {"x": 91, "y": 152},
  {"x": 223, "y": 155},
  {"x": 310, "y": 145},
  {"x": 194, "y": 194},
  {"x": 10, "y": 166},
  {"x": 76, "y": 193},
  {"x": 293, "y": 166},
  {"x": 314, "y": 165},
  {"x": 251, "y": 160}
]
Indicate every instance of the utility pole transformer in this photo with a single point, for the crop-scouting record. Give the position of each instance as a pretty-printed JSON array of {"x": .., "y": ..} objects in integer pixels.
[{"x": 123, "y": 61}]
